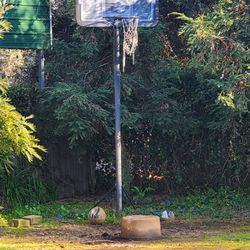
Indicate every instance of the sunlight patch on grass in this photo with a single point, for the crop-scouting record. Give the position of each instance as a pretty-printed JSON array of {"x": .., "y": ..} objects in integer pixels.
[
  {"x": 237, "y": 235},
  {"x": 22, "y": 244}
]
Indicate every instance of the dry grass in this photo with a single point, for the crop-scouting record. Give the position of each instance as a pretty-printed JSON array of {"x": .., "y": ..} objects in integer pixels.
[{"x": 179, "y": 235}]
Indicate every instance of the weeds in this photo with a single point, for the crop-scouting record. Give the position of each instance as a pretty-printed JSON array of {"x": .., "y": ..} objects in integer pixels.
[
  {"x": 213, "y": 205},
  {"x": 222, "y": 204},
  {"x": 141, "y": 195}
]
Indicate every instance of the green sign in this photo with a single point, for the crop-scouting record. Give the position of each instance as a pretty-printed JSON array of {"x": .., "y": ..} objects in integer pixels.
[{"x": 31, "y": 21}]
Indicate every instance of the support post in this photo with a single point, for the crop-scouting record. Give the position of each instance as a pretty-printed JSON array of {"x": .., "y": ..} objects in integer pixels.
[
  {"x": 41, "y": 71},
  {"x": 117, "y": 77}
]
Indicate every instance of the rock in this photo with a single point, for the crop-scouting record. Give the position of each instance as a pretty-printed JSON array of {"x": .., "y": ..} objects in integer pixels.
[
  {"x": 1, "y": 208},
  {"x": 168, "y": 215},
  {"x": 164, "y": 215},
  {"x": 59, "y": 216},
  {"x": 141, "y": 227},
  {"x": 20, "y": 223},
  {"x": 171, "y": 215},
  {"x": 34, "y": 219}
]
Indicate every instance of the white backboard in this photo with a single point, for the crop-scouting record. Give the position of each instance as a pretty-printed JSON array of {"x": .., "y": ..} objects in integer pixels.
[{"x": 96, "y": 13}]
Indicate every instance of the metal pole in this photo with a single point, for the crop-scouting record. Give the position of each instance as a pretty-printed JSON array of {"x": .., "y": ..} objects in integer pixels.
[
  {"x": 117, "y": 76},
  {"x": 41, "y": 71}
]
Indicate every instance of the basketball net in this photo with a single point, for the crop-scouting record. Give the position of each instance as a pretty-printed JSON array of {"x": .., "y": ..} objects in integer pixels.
[{"x": 130, "y": 38}]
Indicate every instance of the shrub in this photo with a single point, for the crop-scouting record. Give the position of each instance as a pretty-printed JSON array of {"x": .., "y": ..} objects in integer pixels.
[{"x": 16, "y": 135}]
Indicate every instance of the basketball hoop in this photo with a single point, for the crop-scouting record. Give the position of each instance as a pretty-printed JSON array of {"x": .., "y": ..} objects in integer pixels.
[
  {"x": 130, "y": 38},
  {"x": 127, "y": 15},
  {"x": 129, "y": 27}
]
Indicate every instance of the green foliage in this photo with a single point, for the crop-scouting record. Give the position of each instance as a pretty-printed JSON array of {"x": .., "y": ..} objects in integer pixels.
[
  {"x": 80, "y": 112},
  {"x": 16, "y": 136},
  {"x": 54, "y": 211},
  {"x": 17, "y": 140},
  {"x": 23, "y": 186},
  {"x": 235, "y": 236},
  {"x": 220, "y": 204},
  {"x": 5, "y": 26},
  {"x": 213, "y": 88},
  {"x": 142, "y": 195},
  {"x": 211, "y": 205},
  {"x": 218, "y": 43},
  {"x": 185, "y": 106},
  {"x": 183, "y": 120},
  {"x": 59, "y": 212},
  {"x": 23, "y": 97},
  {"x": 3, "y": 86},
  {"x": 3, "y": 221}
]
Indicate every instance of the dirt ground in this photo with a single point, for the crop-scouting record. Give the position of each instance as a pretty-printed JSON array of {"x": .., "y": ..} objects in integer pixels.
[
  {"x": 72, "y": 236},
  {"x": 89, "y": 234}
]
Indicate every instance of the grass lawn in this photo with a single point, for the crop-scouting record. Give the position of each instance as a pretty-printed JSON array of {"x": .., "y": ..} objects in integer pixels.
[{"x": 205, "y": 221}]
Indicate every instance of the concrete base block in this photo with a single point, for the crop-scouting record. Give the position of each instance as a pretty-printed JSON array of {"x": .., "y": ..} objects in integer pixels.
[
  {"x": 34, "y": 219},
  {"x": 141, "y": 227},
  {"x": 20, "y": 223}
]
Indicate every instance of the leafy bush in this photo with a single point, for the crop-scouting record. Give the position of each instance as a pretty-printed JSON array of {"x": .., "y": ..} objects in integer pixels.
[
  {"x": 142, "y": 195},
  {"x": 16, "y": 134},
  {"x": 80, "y": 114},
  {"x": 23, "y": 97},
  {"x": 5, "y": 26},
  {"x": 23, "y": 186},
  {"x": 218, "y": 43}
]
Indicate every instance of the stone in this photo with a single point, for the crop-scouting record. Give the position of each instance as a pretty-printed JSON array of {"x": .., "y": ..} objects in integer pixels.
[
  {"x": 20, "y": 223},
  {"x": 97, "y": 215},
  {"x": 164, "y": 215},
  {"x": 1, "y": 208},
  {"x": 171, "y": 215},
  {"x": 34, "y": 219},
  {"x": 141, "y": 227},
  {"x": 168, "y": 216}
]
